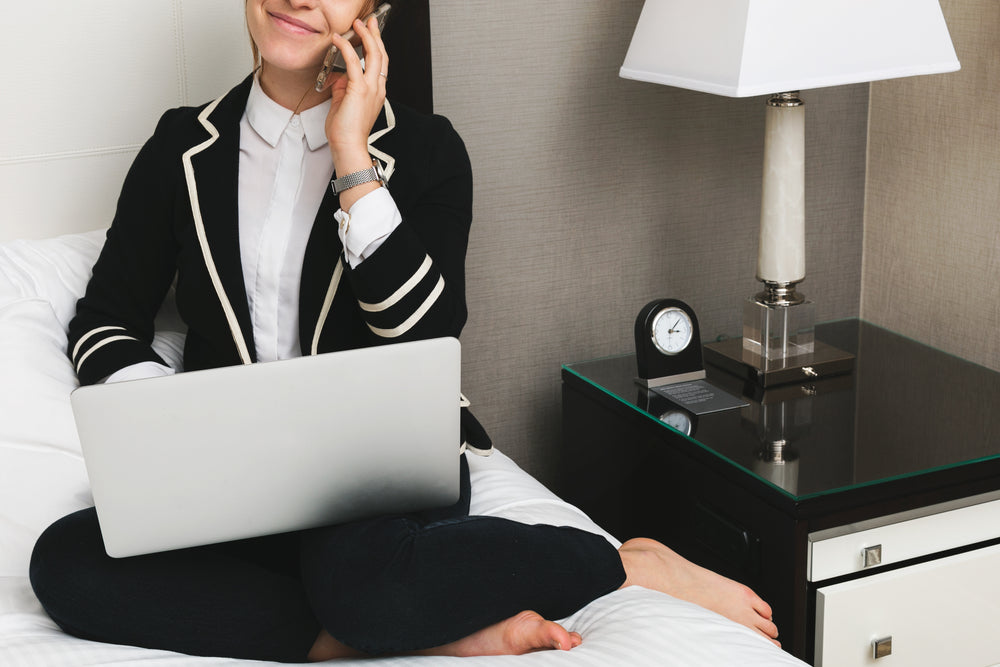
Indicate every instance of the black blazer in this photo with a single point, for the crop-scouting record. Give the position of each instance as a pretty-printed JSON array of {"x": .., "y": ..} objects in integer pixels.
[{"x": 177, "y": 216}]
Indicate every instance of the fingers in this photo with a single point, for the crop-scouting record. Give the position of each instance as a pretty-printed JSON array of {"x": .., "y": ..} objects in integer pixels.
[
  {"x": 384, "y": 60},
  {"x": 359, "y": 95},
  {"x": 383, "y": 65},
  {"x": 376, "y": 57},
  {"x": 351, "y": 61}
]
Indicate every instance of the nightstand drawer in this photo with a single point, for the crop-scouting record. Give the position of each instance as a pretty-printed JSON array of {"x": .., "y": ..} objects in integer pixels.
[
  {"x": 897, "y": 538},
  {"x": 943, "y": 612}
]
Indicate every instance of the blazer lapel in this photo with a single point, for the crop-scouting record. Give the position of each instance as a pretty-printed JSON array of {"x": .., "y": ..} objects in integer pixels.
[
  {"x": 322, "y": 265},
  {"x": 384, "y": 124},
  {"x": 212, "y": 170}
]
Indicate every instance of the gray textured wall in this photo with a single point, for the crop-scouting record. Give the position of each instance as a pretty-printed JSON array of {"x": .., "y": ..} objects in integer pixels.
[
  {"x": 932, "y": 237},
  {"x": 595, "y": 195}
]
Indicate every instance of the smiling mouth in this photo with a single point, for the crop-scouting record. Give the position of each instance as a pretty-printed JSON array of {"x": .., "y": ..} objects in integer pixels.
[{"x": 292, "y": 24}]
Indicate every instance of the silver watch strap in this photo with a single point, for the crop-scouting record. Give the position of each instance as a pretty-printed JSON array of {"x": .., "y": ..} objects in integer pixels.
[{"x": 355, "y": 179}]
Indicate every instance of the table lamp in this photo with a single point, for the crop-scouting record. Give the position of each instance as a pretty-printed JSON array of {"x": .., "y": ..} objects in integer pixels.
[{"x": 742, "y": 48}]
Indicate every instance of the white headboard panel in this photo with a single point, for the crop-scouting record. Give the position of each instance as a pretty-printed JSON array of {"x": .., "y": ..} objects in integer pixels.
[{"x": 82, "y": 86}]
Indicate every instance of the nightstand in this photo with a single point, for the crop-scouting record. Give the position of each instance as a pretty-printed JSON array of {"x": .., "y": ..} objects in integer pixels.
[{"x": 865, "y": 508}]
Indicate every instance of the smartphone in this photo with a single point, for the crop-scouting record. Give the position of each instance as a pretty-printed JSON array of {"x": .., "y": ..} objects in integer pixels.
[{"x": 334, "y": 61}]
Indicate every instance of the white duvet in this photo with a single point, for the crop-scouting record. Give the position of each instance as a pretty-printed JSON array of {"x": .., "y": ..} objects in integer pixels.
[{"x": 42, "y": 477}]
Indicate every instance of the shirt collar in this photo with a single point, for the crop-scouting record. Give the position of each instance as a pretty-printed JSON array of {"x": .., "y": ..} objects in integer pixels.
[{"x": 269, "y": 119}]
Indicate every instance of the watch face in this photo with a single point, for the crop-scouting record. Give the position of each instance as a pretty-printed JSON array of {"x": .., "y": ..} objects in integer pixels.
[{"x": 672, "y": 330}]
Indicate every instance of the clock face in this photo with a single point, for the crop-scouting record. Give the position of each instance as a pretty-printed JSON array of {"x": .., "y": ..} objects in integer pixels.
[
  {"x": 667, "y": 343},
  {"x": 678, "y": 420},
  {"x": 672, "y": 330}
]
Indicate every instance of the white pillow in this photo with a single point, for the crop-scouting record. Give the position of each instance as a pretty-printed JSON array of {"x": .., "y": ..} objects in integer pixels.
[
  {"x": 42, "y": 476},
  {"x": 55, "y": 270}
]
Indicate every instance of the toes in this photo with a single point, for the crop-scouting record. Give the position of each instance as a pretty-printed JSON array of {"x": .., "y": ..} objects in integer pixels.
[
  {"x": 561, "y": 639},
  {"x": 758, "y": 604},
  {"x": 539, "y": 633},
  {"x": 764, "y": 609},
  {"x": 768, "y": 628}
]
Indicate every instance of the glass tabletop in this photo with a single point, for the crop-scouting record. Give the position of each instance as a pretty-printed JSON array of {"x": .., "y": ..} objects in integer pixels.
[{"x": 905, "y": 409}]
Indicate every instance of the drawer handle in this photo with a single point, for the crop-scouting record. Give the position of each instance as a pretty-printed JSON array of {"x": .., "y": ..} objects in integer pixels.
[
  {"x": 872, "y": 556},
  {"x": 882, "y": 647}
]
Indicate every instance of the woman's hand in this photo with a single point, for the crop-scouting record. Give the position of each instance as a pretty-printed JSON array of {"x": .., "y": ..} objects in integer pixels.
[{"x": 357, "y": 99}]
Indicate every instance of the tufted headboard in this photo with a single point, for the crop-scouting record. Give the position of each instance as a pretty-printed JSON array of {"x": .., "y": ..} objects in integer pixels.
[{"x": 83, "y": 84}]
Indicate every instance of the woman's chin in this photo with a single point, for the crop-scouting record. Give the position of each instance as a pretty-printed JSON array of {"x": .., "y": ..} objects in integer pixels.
[{"x": 293, "y": 65}]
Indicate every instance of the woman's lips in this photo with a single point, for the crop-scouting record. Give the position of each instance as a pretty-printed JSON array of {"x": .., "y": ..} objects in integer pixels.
[{"x": 293, "y": 24}]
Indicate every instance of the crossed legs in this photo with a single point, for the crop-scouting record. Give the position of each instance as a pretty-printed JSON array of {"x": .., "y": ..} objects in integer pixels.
[
  {"x": 646, "y": 563},
  {"x": 453, "y": 585}
]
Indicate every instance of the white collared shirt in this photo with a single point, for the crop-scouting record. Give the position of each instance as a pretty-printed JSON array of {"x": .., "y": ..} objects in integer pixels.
[{"x": 284, "y": 170}]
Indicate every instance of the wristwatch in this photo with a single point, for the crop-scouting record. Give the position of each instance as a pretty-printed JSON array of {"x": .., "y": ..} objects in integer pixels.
[{"x": 372, "y": 173}]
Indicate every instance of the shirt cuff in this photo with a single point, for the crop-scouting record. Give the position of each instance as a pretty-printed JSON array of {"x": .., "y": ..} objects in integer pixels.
[
  {"x": 140, "y": 371},
  {"x": 367, "y": 225}
]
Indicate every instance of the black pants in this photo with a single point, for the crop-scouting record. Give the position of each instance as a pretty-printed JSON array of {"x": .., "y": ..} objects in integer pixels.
[{"x": 385, "y": 585}]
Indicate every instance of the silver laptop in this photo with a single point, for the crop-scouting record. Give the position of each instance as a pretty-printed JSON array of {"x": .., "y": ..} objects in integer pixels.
[{"x": 217, "y": 455}]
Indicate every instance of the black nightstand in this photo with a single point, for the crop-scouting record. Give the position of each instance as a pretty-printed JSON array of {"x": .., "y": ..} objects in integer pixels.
[{"x": 821, "y": 496}]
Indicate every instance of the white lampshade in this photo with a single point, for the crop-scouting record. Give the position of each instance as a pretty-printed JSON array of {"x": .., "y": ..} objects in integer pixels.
[{"x": 740, "y": 48}]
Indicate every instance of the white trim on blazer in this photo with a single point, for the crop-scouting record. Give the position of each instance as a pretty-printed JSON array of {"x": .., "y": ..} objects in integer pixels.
[{"x": 199, "y": 224}]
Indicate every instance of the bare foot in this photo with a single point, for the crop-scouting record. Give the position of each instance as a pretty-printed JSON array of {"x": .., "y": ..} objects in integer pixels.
[
  {"x": 523, "y": 633},
  {"x": 653, "y": 565},
  {"x": 328, "y": 648}
]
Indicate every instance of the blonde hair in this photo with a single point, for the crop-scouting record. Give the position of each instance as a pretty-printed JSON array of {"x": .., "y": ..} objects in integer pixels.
[{"x": 254, "y": 51}]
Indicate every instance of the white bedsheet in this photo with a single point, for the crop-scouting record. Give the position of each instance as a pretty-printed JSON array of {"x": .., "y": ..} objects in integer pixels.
[{"x": 42, "y": 477}]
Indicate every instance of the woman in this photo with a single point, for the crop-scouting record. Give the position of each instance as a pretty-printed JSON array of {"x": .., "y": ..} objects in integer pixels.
[{"x": 235, "y": 200}]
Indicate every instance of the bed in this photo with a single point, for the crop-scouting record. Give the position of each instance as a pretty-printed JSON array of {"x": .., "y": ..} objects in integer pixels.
[{"x": 59, "y": 175}]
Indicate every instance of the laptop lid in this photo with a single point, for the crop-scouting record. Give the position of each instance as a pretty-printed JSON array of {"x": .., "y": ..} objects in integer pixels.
[{"x": 229, "y": 453}]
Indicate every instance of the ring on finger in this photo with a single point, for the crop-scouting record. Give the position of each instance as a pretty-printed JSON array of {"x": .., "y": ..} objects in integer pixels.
[{"x": 383, "y": 74}]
